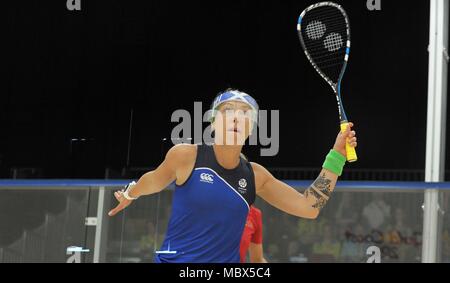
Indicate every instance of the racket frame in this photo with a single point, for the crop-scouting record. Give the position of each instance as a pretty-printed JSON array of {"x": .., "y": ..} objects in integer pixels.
[{"x": 335, "y": 86}]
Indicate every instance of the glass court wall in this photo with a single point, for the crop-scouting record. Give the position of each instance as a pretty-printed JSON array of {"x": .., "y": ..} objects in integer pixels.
[{"x": 66, "y": 221}]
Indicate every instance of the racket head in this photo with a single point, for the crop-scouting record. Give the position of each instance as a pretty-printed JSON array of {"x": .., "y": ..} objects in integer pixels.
[{"x": 324, "y": 33}]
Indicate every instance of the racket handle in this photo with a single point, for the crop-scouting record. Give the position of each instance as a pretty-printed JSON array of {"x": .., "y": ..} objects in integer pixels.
[{"x": 351, "y": 152}]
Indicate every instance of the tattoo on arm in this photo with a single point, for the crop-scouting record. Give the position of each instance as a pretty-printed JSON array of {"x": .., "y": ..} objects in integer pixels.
[{"x": 320, "y": 190}]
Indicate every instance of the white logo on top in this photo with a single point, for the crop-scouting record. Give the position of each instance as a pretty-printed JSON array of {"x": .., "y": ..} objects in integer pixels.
[
  {"x": 206, "y": 178},
  {"x": 242, "y": 183}
]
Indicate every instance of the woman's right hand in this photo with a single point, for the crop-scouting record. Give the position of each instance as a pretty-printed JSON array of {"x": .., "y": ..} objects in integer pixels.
[
  {"x": 123, "y": 203},
  {"x": 179, "y": 156}
]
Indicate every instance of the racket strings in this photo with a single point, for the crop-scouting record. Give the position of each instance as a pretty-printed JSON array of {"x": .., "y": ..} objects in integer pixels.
[
  {"x": 320, "y": 48},
  {"x": 325, "y": 60},
  {"x": 322, "y": 57},
  {"x": 317, "y": 30},
  {"x": 315, "y": 39},
  {"x": 319, "y": 25},
  {"x": 325, "y": 35},
  {"x": 330, "y": 19},
  {"x": 335, "y": 19},
  {"x": 333, "y": 42},
  {"x": 328, "y": 13}
]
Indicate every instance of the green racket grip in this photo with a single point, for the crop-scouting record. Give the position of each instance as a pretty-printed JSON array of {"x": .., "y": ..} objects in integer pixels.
[{"x": 351, "y": 152}]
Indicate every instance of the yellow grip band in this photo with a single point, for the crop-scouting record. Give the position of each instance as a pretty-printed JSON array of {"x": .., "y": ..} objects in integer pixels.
[{"x": 351, "y": 152}]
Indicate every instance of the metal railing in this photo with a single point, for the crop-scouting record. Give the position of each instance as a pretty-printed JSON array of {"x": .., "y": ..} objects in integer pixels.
[{"x": 282, "y": 173}]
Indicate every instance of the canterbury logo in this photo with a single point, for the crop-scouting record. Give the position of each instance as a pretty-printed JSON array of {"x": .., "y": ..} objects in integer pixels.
[{"x": 207, "y": 178}]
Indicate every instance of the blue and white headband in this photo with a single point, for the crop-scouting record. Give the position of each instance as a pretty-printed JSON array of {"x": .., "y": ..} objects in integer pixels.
[{"x": 234, "y": 95}]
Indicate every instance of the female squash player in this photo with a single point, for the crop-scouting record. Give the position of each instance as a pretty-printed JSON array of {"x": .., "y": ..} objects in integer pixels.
[{"x": 215, "y": 186}]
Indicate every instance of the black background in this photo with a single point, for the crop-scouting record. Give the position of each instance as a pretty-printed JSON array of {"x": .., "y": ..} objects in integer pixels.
[{"x": 78, "y": 74}]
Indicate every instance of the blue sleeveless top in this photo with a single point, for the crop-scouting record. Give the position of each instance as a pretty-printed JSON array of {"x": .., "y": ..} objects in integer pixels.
[{"x": 209, "y": 212}]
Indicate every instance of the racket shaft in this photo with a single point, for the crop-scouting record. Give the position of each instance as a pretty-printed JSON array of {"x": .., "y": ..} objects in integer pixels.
[{"x": 351, "y": 152}]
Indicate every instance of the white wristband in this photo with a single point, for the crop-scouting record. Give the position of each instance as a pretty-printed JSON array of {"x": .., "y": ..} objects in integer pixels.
[{"x": 125, "y": 193}]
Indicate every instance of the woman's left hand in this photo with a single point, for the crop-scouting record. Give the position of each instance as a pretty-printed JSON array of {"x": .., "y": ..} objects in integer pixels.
[{"x": 343, "y": 137}]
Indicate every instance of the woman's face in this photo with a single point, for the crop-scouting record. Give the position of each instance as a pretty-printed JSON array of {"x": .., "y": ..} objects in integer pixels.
[{"x": 232, "y": 123}]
